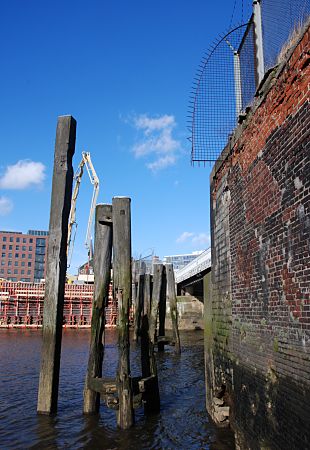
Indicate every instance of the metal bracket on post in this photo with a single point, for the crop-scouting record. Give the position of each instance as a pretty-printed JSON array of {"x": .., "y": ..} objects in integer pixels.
[{"x": 258, "y": 29}]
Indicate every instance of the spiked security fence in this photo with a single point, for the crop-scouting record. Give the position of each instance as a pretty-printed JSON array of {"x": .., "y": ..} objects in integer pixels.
[{"x": 232, "y": 69}]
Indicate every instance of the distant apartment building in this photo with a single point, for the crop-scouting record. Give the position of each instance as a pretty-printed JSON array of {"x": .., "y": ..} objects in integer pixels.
[
  {"x": 180, "y": 261},
  {"x": 23, "y": 256}
]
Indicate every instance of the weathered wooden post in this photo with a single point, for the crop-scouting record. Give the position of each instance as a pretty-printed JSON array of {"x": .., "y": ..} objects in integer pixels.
[
  {"x": 162, "y": 310},
  {"x": 102, "y": 275},
  {"x": 56, "y": 265},
  {"x": 156, "y": 292},
  {"x": 134, "y": 267},
  {"x": 147, "y": 294},
  {"x": 139, "y": 300},
  {"x": 173, "y": 305},
  {"x": 122, "y": 289},
  {"x": 150, "y": 396}
]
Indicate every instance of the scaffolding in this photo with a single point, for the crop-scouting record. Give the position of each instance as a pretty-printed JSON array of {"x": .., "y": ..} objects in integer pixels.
[{"x": 21, "y": 305}]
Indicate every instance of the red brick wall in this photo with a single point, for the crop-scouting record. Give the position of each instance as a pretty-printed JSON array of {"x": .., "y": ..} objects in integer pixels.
[{"x": 260, "y": 217}]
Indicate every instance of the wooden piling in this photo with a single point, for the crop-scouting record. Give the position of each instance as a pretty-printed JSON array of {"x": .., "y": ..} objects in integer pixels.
[
  {"x": 122, "y": 289},
  {"x": 157, "y": 283},
  {"x": 102, "y": 278},
  {"x": 147, "y": 294},
  {"x": 171, "y": 295},
  {"x": 162, "y": 310},
  {"x": 139, "y": 300},
  {"x": 56, "y": 265},
  {"x": 151, "y": 399},
  {"x": 134, "y": 265}
]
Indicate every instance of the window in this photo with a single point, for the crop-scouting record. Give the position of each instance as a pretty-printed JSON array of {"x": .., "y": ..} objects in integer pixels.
[
  {"x": 29, "y": 264},
  {"x": 23, "y": 263},
  {"x": 24, "y": 248},
  {"x": 22, "y": 271},
  {"x": 3, "y": 255},
  {"x": 17, "y": 239},
  {"x": 9, "y": 263},
  {"x": 3, "y": 247},
  {"x": 16, "y": 263},
  {"x": 16, "y": 255},
  {"x": 24, "y": 240},
  {"x": 30, "y": 248},
  {"x": 10, "y": 247},
  {"x": 28, "y": 272},
  {"x": 2, "y": 263},
  {"x": 10, "y": 255},
  {"x": 17, "y": 247},
  {"x": 15, "y": 271},
  {"x": 31, "y": 240},
  {"x": 1, "y": 270},
  {"x": 11, "y": 239},
  {"x": 9, "y": 271},
  {"x": 23, "y": 255},
  {"x": 4, "y": 238},
  {"x": 30, "y": 256}
]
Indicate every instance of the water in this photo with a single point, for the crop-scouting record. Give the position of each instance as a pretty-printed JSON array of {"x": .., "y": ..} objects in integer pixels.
[{"x": 182, "y": 423}]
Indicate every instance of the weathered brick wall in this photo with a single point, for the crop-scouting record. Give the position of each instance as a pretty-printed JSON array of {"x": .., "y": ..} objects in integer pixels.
[{"x": 260, "y": 293}]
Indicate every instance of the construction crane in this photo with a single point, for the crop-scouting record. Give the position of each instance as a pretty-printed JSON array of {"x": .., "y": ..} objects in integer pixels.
[{"x": 86, "y": 161}]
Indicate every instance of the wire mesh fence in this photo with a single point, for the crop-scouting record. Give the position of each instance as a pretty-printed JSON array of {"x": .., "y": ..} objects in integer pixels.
[
  {"x": 280, "y": 18},
  {"x": 232, "y": 69},
  {"x": 214, "y": 103},
  {"x": 248, "y": 69}
]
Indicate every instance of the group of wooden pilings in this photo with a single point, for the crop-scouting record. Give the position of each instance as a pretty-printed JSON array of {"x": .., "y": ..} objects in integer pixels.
[{"x": 112, "y": 248}]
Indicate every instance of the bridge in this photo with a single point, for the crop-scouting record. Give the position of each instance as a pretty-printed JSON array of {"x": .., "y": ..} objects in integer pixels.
[{"x": 189, "y": 279}]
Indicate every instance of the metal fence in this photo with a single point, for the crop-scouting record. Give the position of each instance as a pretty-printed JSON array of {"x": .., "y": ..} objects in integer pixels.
[{"x": 232, "y": 69}]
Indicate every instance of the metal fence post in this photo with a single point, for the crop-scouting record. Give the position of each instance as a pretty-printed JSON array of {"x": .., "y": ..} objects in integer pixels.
[
  {"x": 238, "y": 90},
  {"x": 258, "y": 29}
]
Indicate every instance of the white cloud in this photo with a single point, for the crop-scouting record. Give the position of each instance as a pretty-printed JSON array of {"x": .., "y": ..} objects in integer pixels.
[
  {"x": 150, "y": 124},
  {"x": 22, "y": 175},
  {"x": 184, "y": 236},
  {"x": 202, "y": 239},
  {"x": 161, "y": 163},
  {"x": 6, "y": 206},
  {"x": 157, "y": 141}
]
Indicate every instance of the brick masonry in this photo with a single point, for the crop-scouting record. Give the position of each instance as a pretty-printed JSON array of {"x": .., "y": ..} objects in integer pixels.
[{"x": 258, "y": 338}]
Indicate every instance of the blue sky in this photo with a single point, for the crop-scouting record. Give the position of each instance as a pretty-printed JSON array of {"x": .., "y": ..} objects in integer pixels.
[{"x": 124, "y": 70}]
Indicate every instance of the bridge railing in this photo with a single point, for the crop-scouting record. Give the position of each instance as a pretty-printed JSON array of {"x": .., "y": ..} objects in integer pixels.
[{"x": 202, "y": 262}]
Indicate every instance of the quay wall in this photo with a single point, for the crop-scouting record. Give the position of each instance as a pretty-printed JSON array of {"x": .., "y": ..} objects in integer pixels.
[{"x": 257, "y": 300}]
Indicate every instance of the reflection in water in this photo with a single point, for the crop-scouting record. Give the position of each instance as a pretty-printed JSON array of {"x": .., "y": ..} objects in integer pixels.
[{"x": 181, "y": 424}]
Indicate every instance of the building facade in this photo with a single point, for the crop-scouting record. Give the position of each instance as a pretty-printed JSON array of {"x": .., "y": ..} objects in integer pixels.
[
  {"x": 180, "y": 261},
  {"x": 23, "y": 256}
]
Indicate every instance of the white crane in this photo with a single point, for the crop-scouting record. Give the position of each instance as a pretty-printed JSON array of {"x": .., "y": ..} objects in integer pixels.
[{"x": 86, "y": 161}]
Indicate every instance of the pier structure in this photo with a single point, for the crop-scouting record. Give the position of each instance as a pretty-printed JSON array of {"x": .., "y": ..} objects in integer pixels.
[
  {"x": 22, "y": 305},
  {"x": 112, "y": 245}
]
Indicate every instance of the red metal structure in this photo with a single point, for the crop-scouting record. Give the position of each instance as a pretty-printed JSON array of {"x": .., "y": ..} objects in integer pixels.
[{"x": 21, "y": 305}]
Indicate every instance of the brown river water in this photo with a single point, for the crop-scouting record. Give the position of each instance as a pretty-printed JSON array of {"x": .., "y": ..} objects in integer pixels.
[{"x": 182, "y": 423}]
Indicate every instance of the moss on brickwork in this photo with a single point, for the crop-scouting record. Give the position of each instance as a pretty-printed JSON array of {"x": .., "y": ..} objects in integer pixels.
[{"x": 258, "y": 337}]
